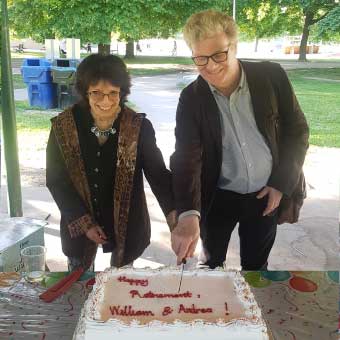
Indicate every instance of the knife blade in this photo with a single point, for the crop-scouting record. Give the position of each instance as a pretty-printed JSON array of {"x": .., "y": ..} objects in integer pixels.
[{"x": 184, "y": 261}]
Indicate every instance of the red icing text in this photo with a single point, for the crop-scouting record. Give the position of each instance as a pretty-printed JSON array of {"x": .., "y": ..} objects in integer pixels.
[
  {"x": 167, "y": 310},
  {"x": 226, "y": 309},
  {"x": 152, "y": 295},
  {"x": 193, "y": 309},
  {"x": 132, "y": 282},
  {"x": 129, "y": 311}
]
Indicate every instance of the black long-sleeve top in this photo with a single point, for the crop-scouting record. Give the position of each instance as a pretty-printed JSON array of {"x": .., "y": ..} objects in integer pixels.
[{"x": 100, "y": 166}]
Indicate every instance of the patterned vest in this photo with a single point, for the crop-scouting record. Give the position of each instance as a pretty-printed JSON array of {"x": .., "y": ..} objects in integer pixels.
[{"x": 66, "y": 134}]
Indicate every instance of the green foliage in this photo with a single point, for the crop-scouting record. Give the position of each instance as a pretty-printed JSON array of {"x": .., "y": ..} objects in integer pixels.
[
  {"x": 265, "y": 19},
  {"x": 31, "y": 18},
  {"x": 329, "y": 28},
  {"x": 94, "y": 20},
  {"x": 318, "y": 7},
  {"x": 312, "y": 10},
  {"x": 270, "y": 18}
]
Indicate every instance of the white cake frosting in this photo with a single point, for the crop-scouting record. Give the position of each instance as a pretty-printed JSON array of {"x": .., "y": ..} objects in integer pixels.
[{"x": 213, "y": 304}]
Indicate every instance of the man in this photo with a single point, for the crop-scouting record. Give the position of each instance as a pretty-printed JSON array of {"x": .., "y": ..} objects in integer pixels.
[
  {"x": 241, "y": 140},
  {"x": 62, "y": 47},
  {"x": 89, "y": 48}
]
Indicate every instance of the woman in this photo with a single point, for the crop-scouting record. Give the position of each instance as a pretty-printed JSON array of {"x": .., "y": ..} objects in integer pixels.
[{"x": 97, "y": 153}]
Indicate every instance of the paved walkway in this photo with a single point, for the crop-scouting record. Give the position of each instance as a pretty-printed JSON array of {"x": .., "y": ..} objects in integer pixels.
[{"x": 311, "y": 244}]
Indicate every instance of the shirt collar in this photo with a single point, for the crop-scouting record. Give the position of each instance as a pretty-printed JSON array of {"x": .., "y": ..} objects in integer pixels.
[{"x": 242, "y": 82}]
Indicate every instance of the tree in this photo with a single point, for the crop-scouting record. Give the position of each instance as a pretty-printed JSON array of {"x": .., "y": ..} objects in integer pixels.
[
  {"x": 159, "y": 19},
  {"x": 312, "y": 11},
  {"x": 265, "y": 19},
  {"x": 31, "y": 19},
  {"x": 329, "y": 27},
  {"x": 43, "y": 19},
  {"x": 94, "y": 20}
]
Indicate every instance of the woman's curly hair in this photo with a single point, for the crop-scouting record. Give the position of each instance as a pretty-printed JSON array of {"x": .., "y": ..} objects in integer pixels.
[{"x": 96, "y": 68}]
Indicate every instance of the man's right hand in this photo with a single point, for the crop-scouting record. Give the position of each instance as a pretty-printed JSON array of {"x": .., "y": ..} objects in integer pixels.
[
  {"x": 97, "y": 235},
  {"x": 185, "y": 236}
]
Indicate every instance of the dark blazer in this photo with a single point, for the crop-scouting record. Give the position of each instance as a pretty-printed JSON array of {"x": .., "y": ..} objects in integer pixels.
[
  {"x": 196, "y": 162},
  {"x": 149, "y": 162}
]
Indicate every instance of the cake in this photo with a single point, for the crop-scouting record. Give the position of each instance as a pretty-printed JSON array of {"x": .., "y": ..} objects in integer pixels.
[{"x": 127, "y": 303}]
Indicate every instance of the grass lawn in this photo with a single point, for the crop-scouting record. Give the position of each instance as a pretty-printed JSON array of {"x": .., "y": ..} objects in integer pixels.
[
  {"x": 33, "y": 126},
  {"x": 138, "y": 66},
  {"x": 318, "y": 92},
  {"x": 27, "y": 54},
  {"x": 148, "y": 66},
  {"x": 18, "y": 83},
  {"x": 159, "y": 60},
  {"x": 31, "y": 119}
]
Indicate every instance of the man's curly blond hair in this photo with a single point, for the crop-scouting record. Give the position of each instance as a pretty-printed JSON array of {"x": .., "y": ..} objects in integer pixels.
[{"x": 206, "y": 24}]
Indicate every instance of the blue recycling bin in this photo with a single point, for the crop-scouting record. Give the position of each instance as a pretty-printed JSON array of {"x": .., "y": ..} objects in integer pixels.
[
  {"x": 64, "y": 75},
  {"x": 37, "y": 76}
]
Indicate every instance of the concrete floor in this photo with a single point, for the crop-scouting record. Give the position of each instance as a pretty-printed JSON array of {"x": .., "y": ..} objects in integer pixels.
[{"x": 310, "y": 244}]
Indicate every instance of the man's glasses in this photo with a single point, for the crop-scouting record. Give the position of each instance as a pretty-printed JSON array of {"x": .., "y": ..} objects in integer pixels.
[
  {"x": 218, "y": 57},
  {"x": 98, "y": 95}
]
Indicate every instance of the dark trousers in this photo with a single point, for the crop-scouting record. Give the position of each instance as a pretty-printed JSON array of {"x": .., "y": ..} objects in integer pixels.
[{"x": 257, "y": 233}]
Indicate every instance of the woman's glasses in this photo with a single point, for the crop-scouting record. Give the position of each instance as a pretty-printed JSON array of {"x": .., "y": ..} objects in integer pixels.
[
  {"x": 98, "y": 95},
  {"x": 218, "y": 57}
]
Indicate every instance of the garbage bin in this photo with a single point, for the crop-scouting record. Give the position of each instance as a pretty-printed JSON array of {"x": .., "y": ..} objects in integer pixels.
[
  {"x": 64, "y": 74},
  {"x": 36, "y": 73}
]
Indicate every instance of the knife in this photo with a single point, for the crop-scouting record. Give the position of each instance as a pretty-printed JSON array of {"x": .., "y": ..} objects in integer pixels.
[
  {"x": 62, "y": 286},
  {"x": 184, "y": 261}
]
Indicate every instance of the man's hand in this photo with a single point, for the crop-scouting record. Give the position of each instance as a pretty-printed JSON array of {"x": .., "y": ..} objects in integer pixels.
[
  {"x": 185, "y": 236},
  {"x": 171, "y": 219},
  {"x": 96, "y": 235},
  {"x": 274, "y": 198}
]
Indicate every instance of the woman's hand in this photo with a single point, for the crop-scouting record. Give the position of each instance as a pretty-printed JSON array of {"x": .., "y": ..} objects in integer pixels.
[{"x": 96, "y": 235}]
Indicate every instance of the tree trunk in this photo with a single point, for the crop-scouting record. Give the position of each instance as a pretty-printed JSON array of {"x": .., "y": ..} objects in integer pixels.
[
  {"x": 104, "y": 49},
  {"x": 130, "y": 49},
  {"x": 256, "y": 44},
  {"x": 305, "y": 34}
]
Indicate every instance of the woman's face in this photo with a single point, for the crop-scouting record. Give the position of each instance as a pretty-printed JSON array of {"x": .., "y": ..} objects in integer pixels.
[{"x": 104, "y": 100}]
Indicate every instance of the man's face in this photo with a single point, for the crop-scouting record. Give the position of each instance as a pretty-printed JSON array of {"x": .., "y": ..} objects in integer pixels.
[{"x": 216, "y": 73}]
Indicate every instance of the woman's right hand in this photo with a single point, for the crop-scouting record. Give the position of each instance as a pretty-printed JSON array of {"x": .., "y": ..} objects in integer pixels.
[{"x": 97, "y": 235}]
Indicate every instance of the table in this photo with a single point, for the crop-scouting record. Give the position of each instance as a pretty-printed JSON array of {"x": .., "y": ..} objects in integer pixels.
[
  {"x": 24, "y": 316},
  {"x": 296, "y": 305},
  {"x": 18, "y": 233}
]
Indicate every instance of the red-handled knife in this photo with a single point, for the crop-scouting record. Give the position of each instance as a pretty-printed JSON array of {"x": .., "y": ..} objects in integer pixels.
[{"x": 62, "y": 286}]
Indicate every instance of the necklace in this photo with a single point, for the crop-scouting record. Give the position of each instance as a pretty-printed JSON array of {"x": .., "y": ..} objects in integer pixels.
[{"x": 102, "y": 133}]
